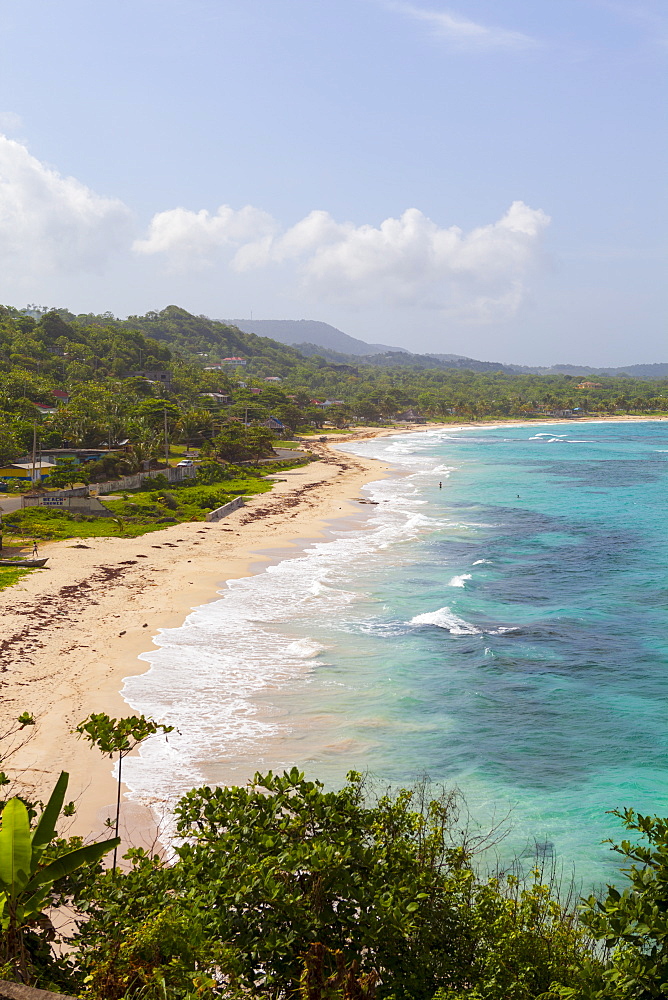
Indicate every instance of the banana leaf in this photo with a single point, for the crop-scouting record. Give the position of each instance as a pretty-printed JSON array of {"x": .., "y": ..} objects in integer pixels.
[
  {"x": 15, "y": 848},
  {"x": 45, "y": 830},
  {"x": 71, "y": 861}
]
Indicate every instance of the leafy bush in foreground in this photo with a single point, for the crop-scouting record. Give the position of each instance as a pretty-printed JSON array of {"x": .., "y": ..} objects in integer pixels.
[
  {"x": 282, "y": 890},
  {"x": 273, "y": 873}
]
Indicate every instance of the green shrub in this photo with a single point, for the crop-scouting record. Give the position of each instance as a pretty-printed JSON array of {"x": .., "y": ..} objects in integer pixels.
[{"x": 383, "y": 889}]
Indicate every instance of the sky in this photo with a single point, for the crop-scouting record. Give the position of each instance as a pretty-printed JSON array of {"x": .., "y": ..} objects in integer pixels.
[{"x": 479, "y": 178}]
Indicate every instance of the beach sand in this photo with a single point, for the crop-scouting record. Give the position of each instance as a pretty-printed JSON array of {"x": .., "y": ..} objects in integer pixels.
[{"x": 70, "y": 634}]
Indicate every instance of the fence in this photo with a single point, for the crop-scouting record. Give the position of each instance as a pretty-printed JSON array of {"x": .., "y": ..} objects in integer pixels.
[
  {"x": 174, "y": 475},
  {"x": 227, "y": 508},
  {"x": 75, "y": 504},
  {"x": 54, "y": 497}
]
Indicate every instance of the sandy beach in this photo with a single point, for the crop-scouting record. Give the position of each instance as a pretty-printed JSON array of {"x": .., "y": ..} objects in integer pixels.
[{"x": 70, "y": 634}]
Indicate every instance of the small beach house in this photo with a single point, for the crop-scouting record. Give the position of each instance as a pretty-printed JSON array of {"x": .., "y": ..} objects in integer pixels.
[{"x": 22, "y": 471}]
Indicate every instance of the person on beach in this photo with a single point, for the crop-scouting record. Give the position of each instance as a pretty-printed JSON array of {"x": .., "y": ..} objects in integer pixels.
[
  {"x": 35, "y": 550},
  {"x": 440, "y": 486}
]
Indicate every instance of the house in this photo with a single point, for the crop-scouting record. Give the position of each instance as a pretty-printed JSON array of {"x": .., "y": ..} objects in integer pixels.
[
  {"x": 412, "y": 417},
  {"x": 163, "y": 378},
  {"x": 273, "y": 378},
  {"x": 255, "y": 390},
  {"x": 78, "y": 455},
  {"x": 590, "y": 385},
  {"x": 23, "y": 471},
  {"x": 45, "y": 411},
  {"x": 62, "y": 396},
  {"x": 234, "y": 362},
  {"x": 274, "y": 424},
  {"x": 219, "y": 398}
]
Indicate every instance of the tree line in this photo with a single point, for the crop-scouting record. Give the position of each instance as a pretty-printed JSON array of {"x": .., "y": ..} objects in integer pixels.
[{"x": 96, "y": 361}]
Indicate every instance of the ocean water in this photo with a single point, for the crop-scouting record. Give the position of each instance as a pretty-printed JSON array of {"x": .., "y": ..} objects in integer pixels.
[{"x": 505, "y": 632}]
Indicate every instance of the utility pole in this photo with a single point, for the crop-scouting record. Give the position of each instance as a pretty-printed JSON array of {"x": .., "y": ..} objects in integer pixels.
[
  {"x": 34, "y": 452},
  {"x": 166, "y": 438}
]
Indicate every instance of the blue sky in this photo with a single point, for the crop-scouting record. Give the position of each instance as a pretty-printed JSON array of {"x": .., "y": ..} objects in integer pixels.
[{"x": 478, "y": 178}]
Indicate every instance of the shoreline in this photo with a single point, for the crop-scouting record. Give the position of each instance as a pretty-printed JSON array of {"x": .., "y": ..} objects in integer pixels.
[
  {"x": 73, "y": 633},
  {"x": 105, "y": 599}
]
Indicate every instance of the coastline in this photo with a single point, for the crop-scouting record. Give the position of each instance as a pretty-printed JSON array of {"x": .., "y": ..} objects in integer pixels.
[{"x": 73, "y": 633}]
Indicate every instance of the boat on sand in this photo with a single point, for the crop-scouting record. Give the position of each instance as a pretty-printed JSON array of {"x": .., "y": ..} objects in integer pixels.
[{"x": 30, "y": 563}]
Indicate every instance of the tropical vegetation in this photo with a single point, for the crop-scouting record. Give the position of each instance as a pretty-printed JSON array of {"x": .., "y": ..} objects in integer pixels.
[
  {"x": 101, "y": 381},
  {"x": 283, "y": 888}
]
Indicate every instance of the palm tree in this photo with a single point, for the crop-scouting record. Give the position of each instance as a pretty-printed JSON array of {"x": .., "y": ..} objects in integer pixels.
[{"x": 195, "y": 423}]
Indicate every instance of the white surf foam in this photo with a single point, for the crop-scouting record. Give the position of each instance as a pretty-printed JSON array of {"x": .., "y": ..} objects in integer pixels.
[
  {"x": 448, "y": 620},
  {"x": 205, "y": 677},
  {"x": 460, "y": 581}
]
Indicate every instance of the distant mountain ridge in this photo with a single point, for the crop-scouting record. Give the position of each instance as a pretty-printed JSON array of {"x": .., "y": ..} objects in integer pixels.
[
  {"x": 314, "y": 337},
  {"x": 656, "y": 370},
  {"x": 309, "y": 331}
]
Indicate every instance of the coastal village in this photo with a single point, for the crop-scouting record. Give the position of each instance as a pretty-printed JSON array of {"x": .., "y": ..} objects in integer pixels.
[{"x": 148, "y": 467}]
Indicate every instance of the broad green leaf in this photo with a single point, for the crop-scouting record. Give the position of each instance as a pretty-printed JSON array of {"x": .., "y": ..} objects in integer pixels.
[
  {"x": 33, "y": 906},
  {"x": 45, "y": 830},
  {"x": 15, "y": 847},
  {"x": 70, "y": 862}
]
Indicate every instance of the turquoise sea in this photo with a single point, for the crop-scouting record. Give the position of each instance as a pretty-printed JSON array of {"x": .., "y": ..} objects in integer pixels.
[{"x": 505, "y": 632}]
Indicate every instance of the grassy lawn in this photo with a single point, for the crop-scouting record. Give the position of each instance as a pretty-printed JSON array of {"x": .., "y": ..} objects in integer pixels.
[
  {"x": 10, "y": 576},
  {"x": 138, "y": 511}
]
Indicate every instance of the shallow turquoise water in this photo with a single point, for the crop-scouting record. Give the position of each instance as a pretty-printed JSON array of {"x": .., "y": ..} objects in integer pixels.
[
  {"x": 522, "y": 650},
  {"x": 506, "y": 632}
]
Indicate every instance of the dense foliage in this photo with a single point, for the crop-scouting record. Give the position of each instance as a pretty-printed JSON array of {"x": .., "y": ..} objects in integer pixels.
[
  {"x": 283, "y": 889},
  {"x": 95, "y": 364},
  {"x": 282, "y": 871}
]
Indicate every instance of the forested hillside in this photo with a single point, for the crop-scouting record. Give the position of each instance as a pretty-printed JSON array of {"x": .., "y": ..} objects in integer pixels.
[{"x": 94, "y": 364}]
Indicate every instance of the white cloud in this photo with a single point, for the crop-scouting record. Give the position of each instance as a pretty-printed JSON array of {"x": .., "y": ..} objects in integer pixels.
[
  {"x": 50, "y": 223},
  {"x": 55, "y": 225},
  {"x": 191, "y": 238},
  {"x": 463, "y": 33},
  {"x": 410, "y": 261}
]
